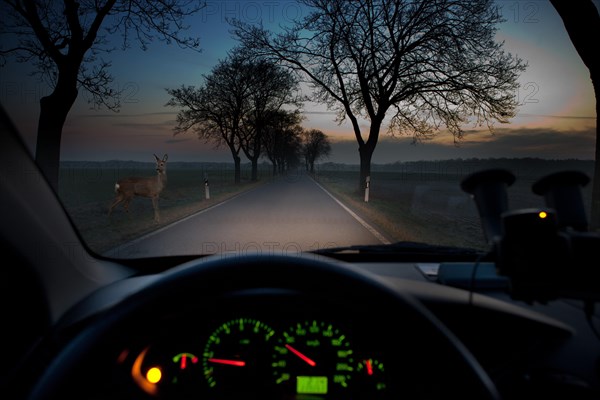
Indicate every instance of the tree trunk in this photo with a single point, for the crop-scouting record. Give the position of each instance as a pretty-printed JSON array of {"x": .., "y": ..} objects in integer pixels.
[
  {"x": 365, "y": 150},
  {"x": 237, "y": 169},
  {"x": 254, "y": 173},
  {"x": 54, "y": 109},
  {"x": 366, "y": 153}
]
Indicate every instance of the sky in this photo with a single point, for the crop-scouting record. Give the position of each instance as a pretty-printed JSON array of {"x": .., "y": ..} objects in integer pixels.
[{"x": 556, "y": 118}]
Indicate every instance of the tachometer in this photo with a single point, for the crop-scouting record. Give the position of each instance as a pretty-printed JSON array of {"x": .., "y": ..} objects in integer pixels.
[
  {"x": 312, "y": 358},
  {"x": 236, "y": 356}
]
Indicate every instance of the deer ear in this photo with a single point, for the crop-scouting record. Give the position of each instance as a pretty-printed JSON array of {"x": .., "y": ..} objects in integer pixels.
[
  {"x": 157, "y": 159},
  {"x": 165, "y": 157}
]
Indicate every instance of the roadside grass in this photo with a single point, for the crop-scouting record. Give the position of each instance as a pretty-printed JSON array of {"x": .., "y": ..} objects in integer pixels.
[
  {"x": 392, "y": 208},
  {"x": 87, "y": 194},
  {"x": 404, "y": 205},
  {"x": 427, "y": 204}
]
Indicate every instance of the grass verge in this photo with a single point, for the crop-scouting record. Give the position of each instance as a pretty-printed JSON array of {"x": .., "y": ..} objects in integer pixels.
[
  {"x": 87, "y": 202},
  {"x": 395, "y": 216}
]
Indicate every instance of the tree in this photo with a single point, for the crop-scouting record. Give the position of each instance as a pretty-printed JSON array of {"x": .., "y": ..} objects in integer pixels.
[
  {"x": 234, "y": 105},
  {"x": 289, "y": 149},
  {"x": 582, "y": 23},
  {"x": 65, "y": 41},
  {"x": 315, "y": 145},
  {"x": 216, "y": 111},
  {"x": 272, "y": 87},
  {"x": 432, "y": 63},
  {"x": 281, "y": 140}
]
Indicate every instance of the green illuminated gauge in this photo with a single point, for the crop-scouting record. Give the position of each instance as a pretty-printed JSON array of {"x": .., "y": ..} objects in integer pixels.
[
  {"x": 312, "y": 357},
  {"x": 236, "y": 356},
  {"x": 370, "y": 376}
]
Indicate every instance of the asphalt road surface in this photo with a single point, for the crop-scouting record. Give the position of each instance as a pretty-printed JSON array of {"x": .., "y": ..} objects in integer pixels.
[{"x": 288, "y": 215}]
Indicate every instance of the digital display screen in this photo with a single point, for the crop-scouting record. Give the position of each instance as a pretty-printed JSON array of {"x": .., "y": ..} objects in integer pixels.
[{"x": 311, "y": 385}]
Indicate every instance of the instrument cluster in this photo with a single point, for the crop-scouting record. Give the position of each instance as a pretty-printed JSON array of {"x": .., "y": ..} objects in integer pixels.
[
  {"x": 244, "y": 356},
  {"x": 269, "y": 349}
]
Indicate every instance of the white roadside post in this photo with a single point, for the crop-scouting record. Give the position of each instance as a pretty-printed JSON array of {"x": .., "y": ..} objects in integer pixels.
[
  {"x": 367, "y": 189},
  {"x": 206, "y": 189}
]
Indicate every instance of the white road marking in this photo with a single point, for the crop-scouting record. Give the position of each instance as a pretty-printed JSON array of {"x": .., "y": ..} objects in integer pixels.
[
  {"x": 364, "y": 223},
  {"x": 116, "y": 250}
]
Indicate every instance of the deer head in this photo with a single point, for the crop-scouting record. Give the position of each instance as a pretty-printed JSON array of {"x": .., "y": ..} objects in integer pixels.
[{"x": 161, "y": 164}]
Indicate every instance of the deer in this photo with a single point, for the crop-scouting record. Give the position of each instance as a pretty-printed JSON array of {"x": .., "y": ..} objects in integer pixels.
[{"x": 127, "y": 188}]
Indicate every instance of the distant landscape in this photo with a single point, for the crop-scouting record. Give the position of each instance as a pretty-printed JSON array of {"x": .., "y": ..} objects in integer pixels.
[{"x": 418, "y": 201}]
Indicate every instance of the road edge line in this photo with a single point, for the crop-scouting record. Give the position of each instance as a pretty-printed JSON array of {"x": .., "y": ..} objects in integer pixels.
[
  {"x": 116, "y": 250},
  {"x": 364, "y": 223}
]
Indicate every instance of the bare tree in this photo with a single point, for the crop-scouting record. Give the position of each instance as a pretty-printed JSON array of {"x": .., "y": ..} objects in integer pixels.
[
  {"x": 65, "y": 40},
  {"x": 235, "y": 104},
  {"x": 433, "y": 64},
  {"x": 281, "y": 140},
  {"x": 217, "y": 110},
  {"x": 272, "y": 88},
  {"x": 315, "y": 145},
  {"x": 582, "y": 23}
]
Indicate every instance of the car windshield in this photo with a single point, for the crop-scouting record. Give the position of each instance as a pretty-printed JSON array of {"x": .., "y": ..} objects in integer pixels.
[{"x": 195, "y": 128}]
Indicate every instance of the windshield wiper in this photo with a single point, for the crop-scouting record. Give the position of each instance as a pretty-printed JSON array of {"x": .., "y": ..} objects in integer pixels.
[{"x": 405, "y": 251}]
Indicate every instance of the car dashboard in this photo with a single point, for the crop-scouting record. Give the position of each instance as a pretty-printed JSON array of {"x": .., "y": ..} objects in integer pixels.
[
  {"x": 287, "y": 342},
  {"x": 261, "y": 344}
]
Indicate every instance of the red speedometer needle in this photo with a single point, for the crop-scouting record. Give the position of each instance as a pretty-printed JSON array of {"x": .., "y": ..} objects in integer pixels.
[
  {"x": 369, "y": 367},
  {"x": 235, "y": 363},
  {"x": 302, "y": 356}
]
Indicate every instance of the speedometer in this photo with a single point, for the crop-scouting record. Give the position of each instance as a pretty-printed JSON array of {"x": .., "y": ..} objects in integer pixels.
[
  {"x": 235, "y": 358},
  {"x": 313, "y": 358}
]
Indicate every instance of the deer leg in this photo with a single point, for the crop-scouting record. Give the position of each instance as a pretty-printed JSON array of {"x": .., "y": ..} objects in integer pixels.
[
  {"x": 155, "y": 205},
  {"x": 115, "y": 203},
  {"x": 126, "y": 204}
]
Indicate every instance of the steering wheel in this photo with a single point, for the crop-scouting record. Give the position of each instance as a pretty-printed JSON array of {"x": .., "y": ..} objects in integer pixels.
[{"x": 432, "y": 362}]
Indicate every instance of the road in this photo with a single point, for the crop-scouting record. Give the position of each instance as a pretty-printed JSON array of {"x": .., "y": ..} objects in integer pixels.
[{"x": 288, "y": 215}]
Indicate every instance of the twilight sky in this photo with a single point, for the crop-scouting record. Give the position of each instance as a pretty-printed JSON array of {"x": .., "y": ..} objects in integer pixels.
[{"x": 556, "y": 118}]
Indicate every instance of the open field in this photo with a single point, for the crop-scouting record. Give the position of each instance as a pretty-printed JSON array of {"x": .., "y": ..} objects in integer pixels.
[
  {"x": 411, "y": 201},
  {"x": 87, "y": 191},
  {"x": 424, "y": 201}
]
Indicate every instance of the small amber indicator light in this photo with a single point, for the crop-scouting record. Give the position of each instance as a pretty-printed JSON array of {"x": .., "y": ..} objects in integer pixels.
[
  {"x": 542, "y": 214},
  {"x": 154, "y": 375}
]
